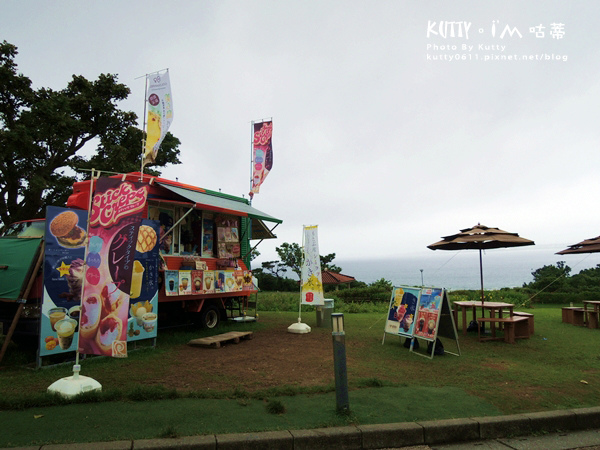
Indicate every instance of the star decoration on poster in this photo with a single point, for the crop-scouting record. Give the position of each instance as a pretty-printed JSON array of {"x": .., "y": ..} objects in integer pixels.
[{"x": 63, "y": 269}]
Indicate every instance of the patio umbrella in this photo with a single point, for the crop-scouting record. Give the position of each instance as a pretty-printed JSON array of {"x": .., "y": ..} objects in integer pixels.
[
  {"x": 587, "y": 246},
  {"x": 480, "y": 238}
]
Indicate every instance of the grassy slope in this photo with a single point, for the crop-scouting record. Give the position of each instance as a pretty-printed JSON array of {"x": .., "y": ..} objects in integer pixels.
[{"x": 542, "y": 373}]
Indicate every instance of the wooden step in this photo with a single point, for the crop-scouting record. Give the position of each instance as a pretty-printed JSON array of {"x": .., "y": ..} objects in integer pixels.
[{"x": 216, "y": 341}]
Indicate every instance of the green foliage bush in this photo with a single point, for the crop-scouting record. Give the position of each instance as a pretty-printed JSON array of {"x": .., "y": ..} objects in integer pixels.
[
  {"x": 278, "y": 301},
  {"x": 364, "y": 295}
]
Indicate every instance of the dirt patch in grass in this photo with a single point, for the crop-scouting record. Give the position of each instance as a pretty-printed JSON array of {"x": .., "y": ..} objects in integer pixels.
[
  {"x": 272, "y": 358},
  {"x": 496, "y": 365}
]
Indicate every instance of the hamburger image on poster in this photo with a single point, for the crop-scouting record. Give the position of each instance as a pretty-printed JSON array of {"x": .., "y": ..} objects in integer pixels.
[{"x": 66, "y": 231}]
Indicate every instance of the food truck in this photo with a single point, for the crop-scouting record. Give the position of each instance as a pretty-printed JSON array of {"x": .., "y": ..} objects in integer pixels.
[{"x": 201, "y": 240}]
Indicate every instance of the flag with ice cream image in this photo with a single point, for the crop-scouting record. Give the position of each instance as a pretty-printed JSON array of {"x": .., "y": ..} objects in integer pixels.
[
  {"x": 159, "y": 102},
  {"x": 262, "y": 154},
  {"x": 113, "y": 230}
]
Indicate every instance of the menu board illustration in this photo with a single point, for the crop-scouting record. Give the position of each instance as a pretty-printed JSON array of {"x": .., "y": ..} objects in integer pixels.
[
  {"x": 428, "y": 313},
  {"x": 402, "y": 310}
]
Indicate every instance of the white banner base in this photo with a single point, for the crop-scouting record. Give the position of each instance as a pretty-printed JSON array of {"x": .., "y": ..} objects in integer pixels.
[
  {"x": 299, "y": 328},
  {"x": 74, "y": 385}
]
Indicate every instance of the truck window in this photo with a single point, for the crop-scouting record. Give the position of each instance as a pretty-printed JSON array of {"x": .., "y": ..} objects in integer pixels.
[
  {"x": 208, "y": 238},
  {"x": 191, "y": 234},
  {"x": 27, "y": 228}
]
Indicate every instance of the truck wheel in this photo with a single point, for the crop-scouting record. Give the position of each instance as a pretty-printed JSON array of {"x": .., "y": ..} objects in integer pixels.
[{"x": 210, "y": 317}]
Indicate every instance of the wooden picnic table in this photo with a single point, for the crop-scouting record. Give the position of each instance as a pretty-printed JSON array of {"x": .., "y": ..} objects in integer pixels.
[
  {"x": 591, "y": 317},
  {"x": 492, "y": 307}
]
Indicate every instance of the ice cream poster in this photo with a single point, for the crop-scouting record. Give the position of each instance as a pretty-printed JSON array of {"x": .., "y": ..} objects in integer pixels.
[
  {"x": 403, "y": 307},
  {"x": 197, "y": 286},
  {"x": 171, "y": 282},
  {"x": 208, "y": 276},
  {"x": 115, "y": 218},
  {"x": 428, "y": 313},
  {"x": 64, "y": 270},
  {"x": 185, "y": 282},
  {"x": 311, "y": 292},
  {"x": 143, "y": 302}
]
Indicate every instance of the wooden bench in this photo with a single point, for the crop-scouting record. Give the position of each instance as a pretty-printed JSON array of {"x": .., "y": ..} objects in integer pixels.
[
  {"x": 515, "y": 327},
  {"x": 573, "y": 315},
  {"x": 530, "y": 319},
  {"x": 216, "y": 341}
]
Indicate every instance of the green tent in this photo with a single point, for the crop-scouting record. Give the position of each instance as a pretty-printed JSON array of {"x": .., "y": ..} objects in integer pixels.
[{"x": 17, "y": 258}]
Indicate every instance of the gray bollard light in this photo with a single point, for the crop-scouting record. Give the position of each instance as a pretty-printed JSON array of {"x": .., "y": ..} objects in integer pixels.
[{"x": 339, "y": 363}]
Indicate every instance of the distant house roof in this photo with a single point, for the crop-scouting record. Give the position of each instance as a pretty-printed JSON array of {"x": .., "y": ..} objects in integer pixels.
[{"x": 335, "y": 278}]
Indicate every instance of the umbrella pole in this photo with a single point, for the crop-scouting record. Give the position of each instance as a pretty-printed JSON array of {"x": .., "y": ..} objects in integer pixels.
[{"x": 481, "y": 276}]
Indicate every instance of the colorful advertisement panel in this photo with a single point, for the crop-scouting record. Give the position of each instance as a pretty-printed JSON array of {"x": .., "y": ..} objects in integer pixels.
[
  {"x": 402, "y": 311},
  {"x": 160, "y": 113},
  {"x": 143, "y": 309},
  {"x": 311, "y": 291},
  {"x": 113, "y": 230},
  {"x": 64, "y": 270},
  {"x": 171, "y": 283},
  {"x": 262, "y": 154},
  {"x": 428, "y": 314}
]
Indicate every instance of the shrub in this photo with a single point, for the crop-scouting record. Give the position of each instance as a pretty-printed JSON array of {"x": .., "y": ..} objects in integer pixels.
[{"x": 275, "y": 407}]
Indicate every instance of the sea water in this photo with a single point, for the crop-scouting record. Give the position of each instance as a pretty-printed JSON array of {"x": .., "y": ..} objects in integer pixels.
[{"x": 460, "y": 270}]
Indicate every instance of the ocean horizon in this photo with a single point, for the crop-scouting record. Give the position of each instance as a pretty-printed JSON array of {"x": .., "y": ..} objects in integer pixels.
[{"x": 460, "y": 270}]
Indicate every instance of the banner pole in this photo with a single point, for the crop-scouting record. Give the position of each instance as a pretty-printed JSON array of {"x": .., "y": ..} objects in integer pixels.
[
  {"x": 251, "y": 157},
  {"x": 300, "y": 327},
  {"x": 144, "y": 130},
  {"x": 301, "y": 267},
  {"x": 87, "y": 231}
]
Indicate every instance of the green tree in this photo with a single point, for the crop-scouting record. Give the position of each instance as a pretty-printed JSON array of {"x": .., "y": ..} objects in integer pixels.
[
  {"x": 586, "y": 280},
  {"x": 382, "y": 284},
  {"x": 43, "y": 131},
  {"x": 291, "y": 258},
  {"x": 550, "y": 278},
  {"x": 275, "y": 268},
  {"x": 123, "y": 151},
  {"x": 327, "y": 264}
]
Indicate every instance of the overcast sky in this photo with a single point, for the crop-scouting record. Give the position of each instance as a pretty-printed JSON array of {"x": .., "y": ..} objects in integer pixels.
[{"x": 376, "y": 138}]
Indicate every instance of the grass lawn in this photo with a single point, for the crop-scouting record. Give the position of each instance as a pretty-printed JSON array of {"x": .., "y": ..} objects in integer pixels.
[{"x": 557, "y": 368}]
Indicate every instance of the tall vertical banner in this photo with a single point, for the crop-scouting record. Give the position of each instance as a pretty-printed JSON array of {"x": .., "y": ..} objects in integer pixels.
[
  {"x": 159, "y": 102},
  {"x": 113, "y": 232},
  {"x": 64, "y": 270},
  {"x": 262, "y": 154},
  {"x": 311, "y": 283}
]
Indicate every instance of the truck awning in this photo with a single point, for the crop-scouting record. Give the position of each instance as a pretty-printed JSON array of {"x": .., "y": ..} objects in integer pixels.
[{"x": 203, "y": 200}]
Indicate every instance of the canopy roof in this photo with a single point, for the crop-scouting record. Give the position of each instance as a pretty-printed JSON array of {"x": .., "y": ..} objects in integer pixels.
[
  {"x": 480, "y": 237},
  {"x": 225, "y": 204},
  {"x": 587, "y": 246}
]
